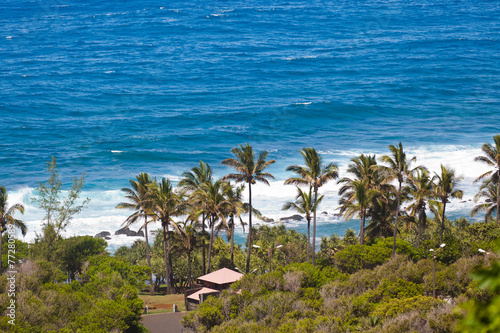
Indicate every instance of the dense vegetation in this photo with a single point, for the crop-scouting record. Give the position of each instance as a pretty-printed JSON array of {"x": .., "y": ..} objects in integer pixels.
[
  {"x": 377, "y": 280},
  {"x": 365, "y": 288}
]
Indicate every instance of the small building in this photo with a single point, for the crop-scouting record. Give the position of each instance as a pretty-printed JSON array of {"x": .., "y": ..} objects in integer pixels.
[{"x": 210, "y": 284}]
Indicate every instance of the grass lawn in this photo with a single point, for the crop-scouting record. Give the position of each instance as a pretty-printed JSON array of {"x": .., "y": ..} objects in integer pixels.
[{"x": 162, "y": 303}]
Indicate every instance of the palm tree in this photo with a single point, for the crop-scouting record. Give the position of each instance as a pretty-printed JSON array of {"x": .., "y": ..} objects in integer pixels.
[
  {"x": 304, "y": 204},
  {"x": 235, "y": 209},
  {"x": 399, "y": 169},
  {"x": 165, "y": 204},
  {"x": 358, "y": 204},
  {"x": 444, "y": 188},
  {"x": 314, "y": 174},
  {"x": 492, "y": 158},
  {"x": 140, "y": 203},
  {"x": 249, "y": 171},
  {"x": 7, "y": 217},
  {"x": 189, "y": 237},
  {"x": 192, "y": 181},
  {"x": 420, "y": 189},
  {"x": 488, "y": 191},
  {"x": 214, "y": 205},
  {"x": 363, "y": 167}
]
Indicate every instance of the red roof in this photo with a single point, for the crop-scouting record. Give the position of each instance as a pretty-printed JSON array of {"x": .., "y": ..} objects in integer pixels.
[
  {"x": 222, "y": 276},
  {"x": 196, "y": 295}
]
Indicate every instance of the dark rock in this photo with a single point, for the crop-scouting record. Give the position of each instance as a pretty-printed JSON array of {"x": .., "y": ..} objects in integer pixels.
[
  {"x": 267, "y": 219},
  {"x": 126, "y": 231},
  {"x": 140, "y": 233},
  {"x": 293, "y": 218},
  {"x": 107, "y": 238},
  {"x": 103, "y": 234},
  {"x": 324, "y": 213}
]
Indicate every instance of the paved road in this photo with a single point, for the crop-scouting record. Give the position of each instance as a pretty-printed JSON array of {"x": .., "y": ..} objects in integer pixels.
[{"x": 165, "y": 322}]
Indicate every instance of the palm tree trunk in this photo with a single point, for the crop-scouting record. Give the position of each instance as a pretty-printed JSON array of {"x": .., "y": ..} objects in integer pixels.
[
  {"x": 308, "y": 245},
  {"x": 232, "y": 241},
  {"x": 396, "y": 221},
  {"x": 166, "y": 257},
  {"x": 249, "y": 239},
  {"x": 1, "y": 234},
  {"x": 420, "y": 216},
  {"x": 442, "y": 222},
  {"x": 362, "y": 228},
  {"x": 189, "y": 270},
  {"x": 203, "y": 244},
  {"x": 167, "y": 272},
  {"x": 151, "y": 287},
  {"x": 498, "y": 195},
  {"x": 313, "y": 250},
  {"x": 212, "y": 222}
]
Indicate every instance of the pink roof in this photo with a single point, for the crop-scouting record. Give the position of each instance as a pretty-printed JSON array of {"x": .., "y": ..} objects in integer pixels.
[
  {"x": 196, "y": 295},
  {"x": 222, "y": 276}
]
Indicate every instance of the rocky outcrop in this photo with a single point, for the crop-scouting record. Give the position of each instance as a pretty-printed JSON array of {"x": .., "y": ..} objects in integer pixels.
[
  {"x": 267, "y": 219},
  {"x": 292, "y": 218},
  {"x": 104, "y": 235},
  {"x": 127, "y": 231}
]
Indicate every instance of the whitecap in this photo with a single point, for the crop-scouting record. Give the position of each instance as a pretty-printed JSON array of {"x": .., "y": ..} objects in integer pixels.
[
  {"x": 8, "y": 37},
  {"x": 108, "y": 72},
  {"x": 117, "y": 151}
]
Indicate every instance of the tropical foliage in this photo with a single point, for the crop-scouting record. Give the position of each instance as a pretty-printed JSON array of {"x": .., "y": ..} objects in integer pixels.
[{"x": 378, "y": 281}]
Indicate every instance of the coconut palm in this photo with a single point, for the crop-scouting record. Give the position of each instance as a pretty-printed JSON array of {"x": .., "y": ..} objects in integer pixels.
[
  {"x": 420, "y": 189},
  {"x": 192, "y": 181},
  {"x": 314, "y": 174},
  {"x": 140, "y": 203},
  {"x": 187, "y": 231},
  {"x": 7, "y": 217},
  {"x": 250, "y": 170},
  {"x": 399, "y": 168},
  {"x": 214, "y": 205},
  {"x": 235, "y": 209},
  {"x": 358, "y": 204},
  {"x": 491, "y": 157},
  {"x": 488, "y": 191},
  {"x": 363, "y": 167},
  {"x": 165, "y": 204},
  {"x": 444, "y": 188},
  {"x": 304, "y": 204}
]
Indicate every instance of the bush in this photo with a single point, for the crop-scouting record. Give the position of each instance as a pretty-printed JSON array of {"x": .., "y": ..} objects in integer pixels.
[
  {"x": 395, "y": 307},
  {"x": 356, "y": 257},
  {"x": 314, "y": 277}
]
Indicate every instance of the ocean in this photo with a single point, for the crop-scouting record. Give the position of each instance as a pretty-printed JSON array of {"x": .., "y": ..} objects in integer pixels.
[{"x": 113, "y": 89}]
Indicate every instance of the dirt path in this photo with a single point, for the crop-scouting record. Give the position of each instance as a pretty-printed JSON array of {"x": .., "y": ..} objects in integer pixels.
[{"x": 165, "y": 322}]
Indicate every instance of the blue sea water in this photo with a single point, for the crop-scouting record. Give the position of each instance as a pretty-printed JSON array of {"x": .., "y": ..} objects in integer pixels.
[{"x": 116, "y": 88}]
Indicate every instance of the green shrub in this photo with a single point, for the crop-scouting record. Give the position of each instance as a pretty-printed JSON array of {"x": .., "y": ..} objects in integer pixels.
[
  {"x": 315, "y": 277},
  {"x": 356, "y": 257},
  {"x": 395, "y": 307}
]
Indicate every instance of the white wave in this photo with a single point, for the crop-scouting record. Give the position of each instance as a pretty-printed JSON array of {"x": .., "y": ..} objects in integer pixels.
[
  {"x": 109, "y": 72},
  {"x": 300, "y": 57},
  {"x": 8, "y": 37},
  {"x": 117, "y": 151},
  {"x": 305, "y": 103},
  {"x": 173, "y": 178}
]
